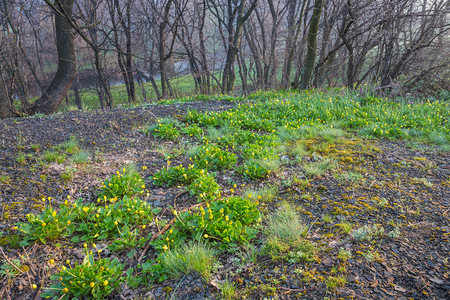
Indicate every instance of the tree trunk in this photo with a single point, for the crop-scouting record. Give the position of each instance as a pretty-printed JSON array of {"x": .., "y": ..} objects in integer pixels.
[
  {"x": 76, "y": 92},
  {"x": 50, "y": 101},
  {"x": 229, "y": 75},
  {"x": 5, "y": 103},
  {"x": 311, "y": 45}
]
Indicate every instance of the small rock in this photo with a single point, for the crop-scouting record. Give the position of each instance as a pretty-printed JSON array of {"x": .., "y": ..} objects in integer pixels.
[{"x": 437, "y": 281}]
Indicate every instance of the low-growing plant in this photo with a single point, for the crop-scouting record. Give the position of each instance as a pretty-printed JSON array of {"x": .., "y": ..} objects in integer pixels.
[
  {"x": 285, "y": 224},
  {"x": 36, "y": 147},
  {"x": 211, "y": 157},
  {"x": 253, "y": 169},
  {"x": 71, "y": 146},
  {"x": 333, "y": 282},
  {"x": 95, "y": 278},
  {"x": 47, "y": 226},
  {"x": 438, "y": 138},
  {"x": 350, "y": 177},
  {"x": 302, "y": 250},
  {"x": 54, "y": 157},
  {"x": 393, "y": 234},
  {"x": 7, "y": 269},
  {"x": 127, "y": 239},
  {"x": 21, "y": 158},
  {"x": 327, "y": 218},
  {"x": 318, "y": 167},
  {"x": 228, "y": 289},
  {"x": 68, "y": 174},
  {"x": 164, "y": 130},
  {"x": 127, "y": 183},
  {"x": 298, "y": 150},
  {"x": 344, "y": 227},
  {"x": 265, "y": 151},
  {"x": 111, "y": 220},
  {"x": 370, "y": 255},
  {"x": 285, "y": 233},
  {"x": 344, "y": 254},
  {"x": 81, "y": 157},
  {"x": 367, "y": 232},
  {"x": 193, "y": 130},
  {"x": 205, "y": 188},
  {"x": 171, "y": 176},
  {"x": 193, "y": 256},
  {"x": 331, "y": 133},
  {"x": 225, "y": 223},
  {"x": 264, "y": 194},
  {"x": 89, "y": 221},
  {"x": 249, "y": 254},
  {"x": 6, "y": 179}
]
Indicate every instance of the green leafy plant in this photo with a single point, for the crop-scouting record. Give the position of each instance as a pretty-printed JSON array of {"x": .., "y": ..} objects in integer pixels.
[
  {"x": 47, "y": 226},
  {"x": 177, "y": 175},
  {"x": 333, "y": 282},
  {"x": 127, "y": 183},
  {"x": 225, "y": 222},
  {"x": 127, "y": 239},
  {"x": 112, "y": 220},
  {"x": 107, "y": 220},
  {"x": 253, "y": 169},
  {"x": 7, "y": 269},
  {"x": 95, "y": 278},
  {"x": 164, "y": 130},
  {"x": 205, "y": 188},
  {"x": 211, "y": 157},
  {"x": 193, "y": 130}
]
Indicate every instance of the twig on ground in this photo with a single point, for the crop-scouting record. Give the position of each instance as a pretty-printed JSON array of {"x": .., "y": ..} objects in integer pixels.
[
  {"x": 175, "y": 199},
  {"x": 295, "y": 290},
  {"x": 164, "y": 229},
  {"x": 10, "y": 262}
]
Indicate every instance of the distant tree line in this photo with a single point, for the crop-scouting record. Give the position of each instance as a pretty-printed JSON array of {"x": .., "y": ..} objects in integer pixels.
[{"x": 268, "y": 44}]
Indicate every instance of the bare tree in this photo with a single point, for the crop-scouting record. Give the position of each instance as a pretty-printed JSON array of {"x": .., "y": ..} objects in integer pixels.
[
  {"x": 231, "y": 16},
  {"x": 51, "y": 99}
]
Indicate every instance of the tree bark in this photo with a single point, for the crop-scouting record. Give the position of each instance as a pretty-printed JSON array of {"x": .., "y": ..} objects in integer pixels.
[
  {"x": 51, "y": 99},
  {"x": 311, "y": 45},
  {"x": 5, "y": 102},
  {"x": 229, "y": 75}
]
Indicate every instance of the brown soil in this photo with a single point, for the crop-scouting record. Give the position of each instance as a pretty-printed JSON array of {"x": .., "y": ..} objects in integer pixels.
[{"x": 401, "y": 187}]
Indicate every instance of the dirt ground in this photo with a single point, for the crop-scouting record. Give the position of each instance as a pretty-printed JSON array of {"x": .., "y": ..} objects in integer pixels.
[{"x": 403, "y": 187}]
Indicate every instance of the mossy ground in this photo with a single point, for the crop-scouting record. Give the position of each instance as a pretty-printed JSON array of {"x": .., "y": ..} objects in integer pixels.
[{"x": 377, "y": 216}]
